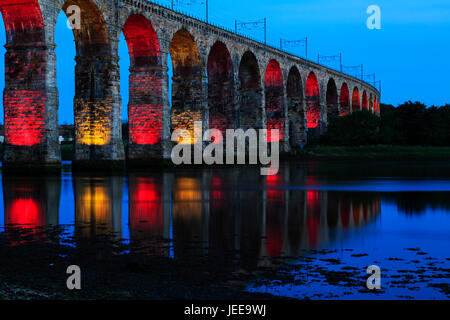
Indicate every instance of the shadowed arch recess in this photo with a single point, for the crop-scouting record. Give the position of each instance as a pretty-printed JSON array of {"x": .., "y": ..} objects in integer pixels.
[
  {"x": 250, "y": 113},
  {"x": 296, "y": 113},
  {"x": 220, "y": 88},
  {"x": 332, "y": 100}
]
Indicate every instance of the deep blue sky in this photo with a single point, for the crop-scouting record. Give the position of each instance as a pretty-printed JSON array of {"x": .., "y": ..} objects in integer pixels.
[{"x": 409, "y": 54}]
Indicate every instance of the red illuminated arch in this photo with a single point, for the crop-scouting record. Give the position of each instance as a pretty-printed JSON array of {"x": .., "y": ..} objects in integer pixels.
[
  {"x": 356, "y": 100},
  {"x": 332, "y": 100},
  {"x": 312, "y": 96},
  {"x": 24, "y": 97},
  {"x": 187, "y": 81},
  {"x": 344, "y": 100},
  {"x": 313, "y": 218},
  {"x": 365, "y": 105},
  {"x": 220, "y": 88},
  {"x": 274, "y": 90},
  {"x": 251, "y": 97},
  {"x": 145, "y": 90},
  {"x": 375, "y": 106}
]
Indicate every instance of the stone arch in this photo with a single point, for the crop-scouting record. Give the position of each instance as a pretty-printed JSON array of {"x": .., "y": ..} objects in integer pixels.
[
  {"x": 365, "y": 104},
  {"x": 275, "y": 105},
  {"x": 145, "y": 106},
  {"x": 187, "y": 82},
  {"x": 97, "y": 109},
  {"x": 312, "y": 97},
  {"x": 370, "y": 102},
  {"x": 332, "y": 100},
  {"x": 250, "y": 112},
  {"x": 296, "y": 113},
  {"x": 220, "y": 88},
  {"x": 25, "y": 94},
  {"x": 344, "y": 100},
  {"x": 356, "y": 100}
]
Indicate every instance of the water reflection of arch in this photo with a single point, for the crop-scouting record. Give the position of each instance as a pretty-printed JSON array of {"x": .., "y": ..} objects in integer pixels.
[
  {"x": 98, "y": 206},
  {"x": 31, "y": 202},
  {"x": 223, "y": 208},
  {"x": 250, "y": 217},
  {"x": 149, "y": 216},
  {"x": 356, "y": 208},
  {"x": 314, "y": 218},
  {"x": 190, "y": 214}
]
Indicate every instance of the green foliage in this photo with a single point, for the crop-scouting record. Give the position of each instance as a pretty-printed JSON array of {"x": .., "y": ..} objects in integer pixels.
[
  {"x": 409, "y": 124},
  {"x": 356, "y": 129}
]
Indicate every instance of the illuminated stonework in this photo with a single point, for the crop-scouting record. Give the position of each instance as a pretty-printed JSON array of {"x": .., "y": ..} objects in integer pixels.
[
  {"x": 24, "y": 121},
  {"x": 145, "y": 107},
  {"x": 92, "y": 123},
  {"x": 312, "y": 101},
  {"x": 187, "y": 83},
  {"x": 25, "y": 95}
]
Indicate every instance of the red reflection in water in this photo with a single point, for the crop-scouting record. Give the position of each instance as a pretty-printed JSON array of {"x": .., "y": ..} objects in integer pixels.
[
  {"x": 216, "y": 192},
  {"x": 313, "y": 217},
  {"x": 345, "y": 212},
  {"x": 365, "y": 211},
  {"x": 24, "y": 121},
  {"x": 25, "y": 212},
  {"x": 356, "y": 213},
  {"x": 146, "y": 216},
  {"x": 275, "y": 215}
]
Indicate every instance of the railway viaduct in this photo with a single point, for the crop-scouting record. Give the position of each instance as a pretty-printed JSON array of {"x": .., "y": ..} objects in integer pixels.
[{"x": 222, "y": 78}]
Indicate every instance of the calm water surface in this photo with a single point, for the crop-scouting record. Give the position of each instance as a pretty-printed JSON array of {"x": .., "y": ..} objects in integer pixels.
[{"x": 309, "y": 232}]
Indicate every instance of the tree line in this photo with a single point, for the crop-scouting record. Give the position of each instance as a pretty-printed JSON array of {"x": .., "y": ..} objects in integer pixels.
[{"x": 409, "y": 124}]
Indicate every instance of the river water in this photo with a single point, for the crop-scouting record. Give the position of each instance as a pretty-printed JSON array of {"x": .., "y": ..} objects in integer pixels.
[{"x": 310, "y": 231}]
